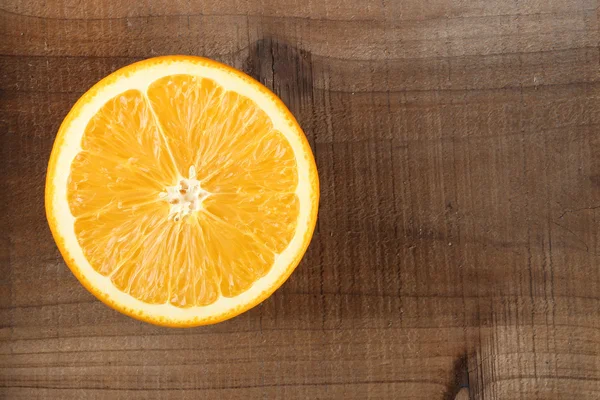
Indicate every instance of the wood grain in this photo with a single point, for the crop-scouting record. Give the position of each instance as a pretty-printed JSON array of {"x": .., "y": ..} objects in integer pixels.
[{"x": 457, "y": 251}]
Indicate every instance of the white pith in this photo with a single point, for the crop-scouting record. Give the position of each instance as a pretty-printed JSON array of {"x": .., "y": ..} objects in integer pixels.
[
  {"x": 185, "y": 198},
  {"x": 140, "y": 79}
]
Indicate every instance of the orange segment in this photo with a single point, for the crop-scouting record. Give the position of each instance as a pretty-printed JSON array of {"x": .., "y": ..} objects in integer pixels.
[
  {"x": 241, "y": 258},
  {"x": 113, "y": 237},
  {"x": 145, "y": 274},
  {"x": 183, "y": 105},
  {"x": 197, "y": 281},
  {"x": 124, "y": 131},
  {"x": 266, "y": 165},
  {"x": 270, "y": 217},
  {"x": 187, "y": 201}
]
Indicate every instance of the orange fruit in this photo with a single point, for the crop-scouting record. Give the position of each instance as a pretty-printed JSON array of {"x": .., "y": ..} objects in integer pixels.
[{"x": 181, "y": 191}]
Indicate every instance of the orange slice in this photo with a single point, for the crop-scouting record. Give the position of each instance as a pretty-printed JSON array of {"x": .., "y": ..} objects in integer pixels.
[{"x": 181, "y": 192}]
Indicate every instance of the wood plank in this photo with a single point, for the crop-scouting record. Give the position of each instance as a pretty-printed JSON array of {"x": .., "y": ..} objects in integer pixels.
[{"x": 457, "y": 248}]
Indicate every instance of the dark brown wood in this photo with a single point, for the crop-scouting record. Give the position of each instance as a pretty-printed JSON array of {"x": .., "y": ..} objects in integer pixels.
[{"x": 458, "y": 243}]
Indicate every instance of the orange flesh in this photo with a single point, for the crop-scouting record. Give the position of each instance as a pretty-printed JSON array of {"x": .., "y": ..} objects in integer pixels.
[{"x": 139, "y": 144}]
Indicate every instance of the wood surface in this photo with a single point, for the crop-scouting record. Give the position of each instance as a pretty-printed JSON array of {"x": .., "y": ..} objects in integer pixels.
[{"x": 457, "y": 250}]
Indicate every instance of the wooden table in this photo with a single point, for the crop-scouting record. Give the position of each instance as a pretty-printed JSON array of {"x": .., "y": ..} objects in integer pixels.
[{"x": 458, "y": 244}]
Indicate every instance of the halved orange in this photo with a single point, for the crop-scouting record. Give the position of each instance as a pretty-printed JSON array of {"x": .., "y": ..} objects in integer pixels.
[{"x": 181, "y": 191}]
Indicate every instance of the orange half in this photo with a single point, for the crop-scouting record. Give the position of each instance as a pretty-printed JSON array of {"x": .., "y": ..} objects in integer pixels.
[{"x": 181, "y": 191}]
